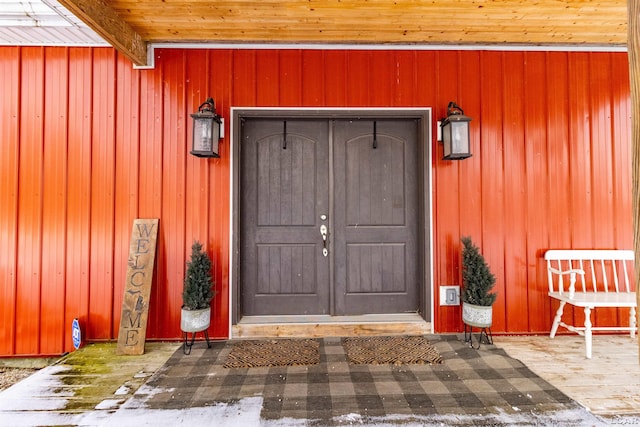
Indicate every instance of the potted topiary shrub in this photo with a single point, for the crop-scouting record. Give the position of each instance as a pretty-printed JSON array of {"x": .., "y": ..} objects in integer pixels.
[
  {"x": 477, "y": 282},
  {"x": 196, "y": 296}
]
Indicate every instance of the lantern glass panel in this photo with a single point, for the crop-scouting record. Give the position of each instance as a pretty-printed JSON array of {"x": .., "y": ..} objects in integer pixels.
[
  {"x": 202, "y": 134},
  {"x": 460, "y": 137},
  {"x": 446, "y": 139}
]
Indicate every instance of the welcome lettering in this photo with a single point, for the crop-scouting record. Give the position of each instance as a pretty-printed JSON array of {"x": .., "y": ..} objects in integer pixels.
[{"x": 135, "y": 304}]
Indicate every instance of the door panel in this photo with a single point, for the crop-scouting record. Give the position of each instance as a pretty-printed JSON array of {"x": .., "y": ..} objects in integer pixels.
[
  {"x": 284, "y": 188},
  {"x": 376, "y": 217},
  {"x": 366, "y": 197}
]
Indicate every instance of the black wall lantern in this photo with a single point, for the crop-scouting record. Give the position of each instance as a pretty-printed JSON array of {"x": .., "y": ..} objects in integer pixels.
[
  {"x": 455, "y": 133},
  {"x": 206, "y": 130}
]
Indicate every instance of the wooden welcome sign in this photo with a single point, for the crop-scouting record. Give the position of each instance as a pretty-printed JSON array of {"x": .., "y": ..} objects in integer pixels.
[{"x": 135, "y": 304}]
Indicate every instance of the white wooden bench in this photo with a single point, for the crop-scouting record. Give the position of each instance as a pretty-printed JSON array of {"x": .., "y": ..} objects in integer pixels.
[{"x": 591, "y": 279}]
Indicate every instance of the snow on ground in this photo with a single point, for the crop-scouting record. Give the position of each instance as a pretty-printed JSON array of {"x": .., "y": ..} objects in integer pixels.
[
  {"x": 36, "y": 401},
  {"x": 38, "y": 392}
]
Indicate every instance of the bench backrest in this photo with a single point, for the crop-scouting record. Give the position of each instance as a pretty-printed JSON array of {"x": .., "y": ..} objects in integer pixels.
[{"x": 605, "y": 270}]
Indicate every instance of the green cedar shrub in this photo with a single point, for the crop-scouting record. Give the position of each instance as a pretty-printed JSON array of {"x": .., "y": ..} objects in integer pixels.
[
  {"x": 477, "y": 279},
  {"x": 197, "y": 292}
]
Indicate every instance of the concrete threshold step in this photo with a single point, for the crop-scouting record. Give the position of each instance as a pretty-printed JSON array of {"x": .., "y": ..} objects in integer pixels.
[{"x": 327, "y": 326}]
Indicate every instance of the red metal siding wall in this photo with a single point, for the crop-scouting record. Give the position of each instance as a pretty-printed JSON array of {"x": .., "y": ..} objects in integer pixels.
[{"x": 89, "y": 144}]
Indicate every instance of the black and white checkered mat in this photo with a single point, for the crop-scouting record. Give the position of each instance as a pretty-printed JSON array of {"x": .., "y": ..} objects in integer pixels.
[{"x": 468, "y": 381}]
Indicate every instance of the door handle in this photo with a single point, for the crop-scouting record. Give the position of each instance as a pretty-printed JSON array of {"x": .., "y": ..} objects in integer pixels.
[{"x": 323, "y": 233}]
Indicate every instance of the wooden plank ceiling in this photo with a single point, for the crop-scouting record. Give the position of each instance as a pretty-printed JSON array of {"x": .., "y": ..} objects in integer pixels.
[{"x": 130, "y": 25}]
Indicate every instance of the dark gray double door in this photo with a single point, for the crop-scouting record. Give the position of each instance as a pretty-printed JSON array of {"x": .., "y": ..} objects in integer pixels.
[{"x": 329, "y": 216}]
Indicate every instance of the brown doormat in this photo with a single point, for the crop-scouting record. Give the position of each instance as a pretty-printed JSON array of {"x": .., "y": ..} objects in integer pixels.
[
  {"x": 400, "y": 350},
  {"x": 280, "y": 352}
]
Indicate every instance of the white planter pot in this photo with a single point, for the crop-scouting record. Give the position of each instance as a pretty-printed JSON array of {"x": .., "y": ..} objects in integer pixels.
[
  {"x": 477, "y": 315},
  {"x": 195, "y": 320}
]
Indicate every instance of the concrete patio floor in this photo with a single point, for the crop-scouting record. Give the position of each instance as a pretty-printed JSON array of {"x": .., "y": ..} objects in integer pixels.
[
  {"x": 120, "y": 390},
  {"x": 608, "y": 384}
]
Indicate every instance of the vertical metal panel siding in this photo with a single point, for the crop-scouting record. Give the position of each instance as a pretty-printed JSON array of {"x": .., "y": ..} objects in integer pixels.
[
  {"x": 468, "y": 202},
  {"x": 491, "y": 237},
  {"x": 313, "y": 77},
  {"x": 78, "y": 209},
  {"x": 174, "y": 243},
  {"x": 150, "y": 170},
  {"x": 54, "y": 198},
  {"x": 30, "y": 177},
  {"x": 103, "y": 173},
  {"x": 9, "y": 166},
  {"x": 536, "y": 182},
  {"x": 447, "y": 210},
  {"x": 127, "y": 184},
  {"x": 221, "y": 66},
  {"x": 335, "y": 78},
  {"x": 515, "y": 206},
  {"x": 89, "y": 144}
]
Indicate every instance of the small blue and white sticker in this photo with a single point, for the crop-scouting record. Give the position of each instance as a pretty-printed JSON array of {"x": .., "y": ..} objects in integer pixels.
[{"x": 75, "y": 333}]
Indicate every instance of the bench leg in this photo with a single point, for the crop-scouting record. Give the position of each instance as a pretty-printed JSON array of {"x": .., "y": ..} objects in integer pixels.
[
  {"x": 587, "y": 331},
  {"x": 556, "y": 320},
  {"x": 632, "y": 321}
]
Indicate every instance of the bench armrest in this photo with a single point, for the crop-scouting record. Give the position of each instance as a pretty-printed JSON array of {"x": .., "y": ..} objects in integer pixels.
[
  {"x": 572, "y": 274},
  {"x": 573, "y": 271}
]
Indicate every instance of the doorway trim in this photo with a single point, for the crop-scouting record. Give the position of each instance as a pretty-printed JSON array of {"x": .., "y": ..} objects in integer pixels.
[{"x": 425, "y": 142}]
